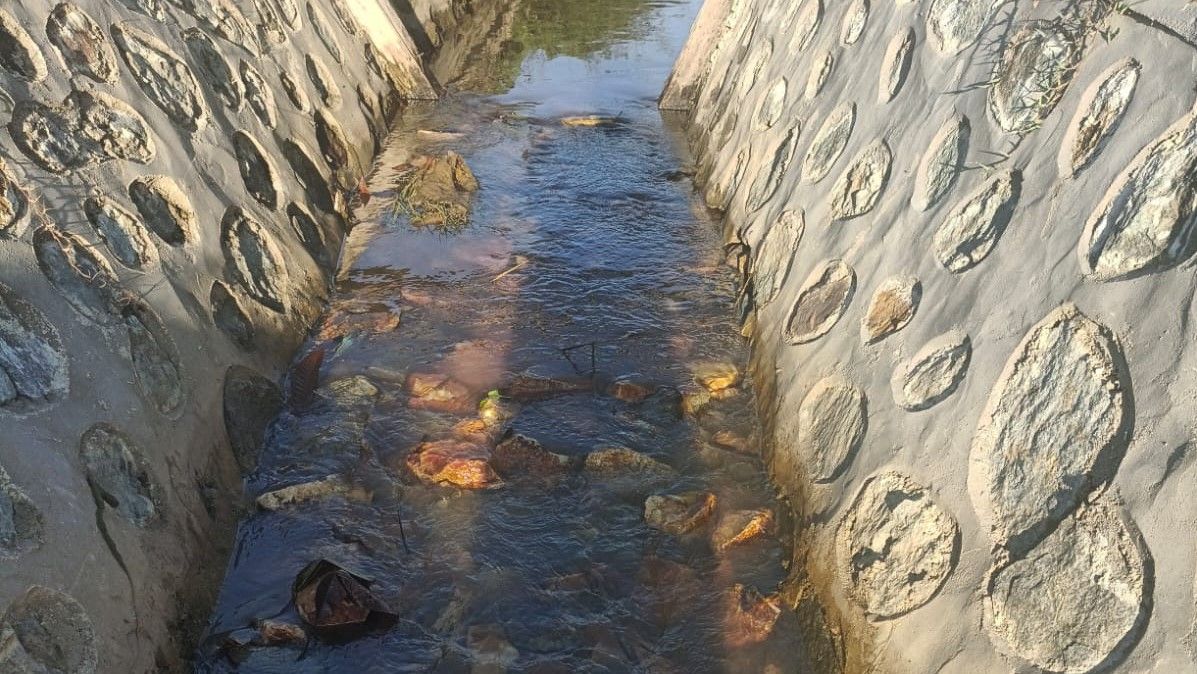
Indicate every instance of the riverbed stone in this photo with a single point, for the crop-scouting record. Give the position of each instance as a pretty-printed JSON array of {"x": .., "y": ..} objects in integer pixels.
[
  {"x": 895, "y": 65},
  {"x": 163, "y": 75},
  {"x": 19, "y": 54},
  {"x": 214, "y": 69},
  {"x": 750, "y": 617},
  {"x": 165, "y": 209},
  {"x": 942, "y": 162},
  {"x": 859, "y": 188},
  {"x": 1056, "y": 425},
  {"x": 892, "y": 307},
  {"x": 22, "y": 527},
  {"x": 679, "y": 514},
  {"x": 438, "y": 393},
  {"x": 820, "y": 72},
  {"x": 316, "y": 490},
  {"x": 82, "y": 44},
  {"x": 1035, "y": 69},
  {"x": 250, "y": 402},
  {"x": 90, "y": 127},
  {"x": 155, "y": 360},
  {"x": 972, "y": 229},
  {"x": 1077, "y": 601},
  {"x": 955, "y": 24},
  {"x": 622, "y": 460},
  {"x": 829, "y": 142},
  {"x": 85, "y": 279},
  {"x": 323, "y": 80},
  {"x": 44, "y": 630},
  {"x": 831, "y": 424},
  {"x": 116, "y": 472},
  {"x": 257, "y": 171},
  {"x": 895, "y": 546},
  {"x": 933, "y": 373},
  {"x": 1146, "y": 221},
  {"x": 822, "y": 300},
  {"x": 255, "y": 261},
  {"x": 259, "y": 95},
  {"x": 741, "y": 527},
  {"x": 1098, "y": 115},
  {"x": 128, "y": 240},
  {"x": 33, "y": 362},
  {"x": 776, "y": 255},
  {"x": 14, "y": 204},
  {"x": 520, "y": 456},
  {"x": 856, "y": 19},
  {"x": 453, "y": 463}
]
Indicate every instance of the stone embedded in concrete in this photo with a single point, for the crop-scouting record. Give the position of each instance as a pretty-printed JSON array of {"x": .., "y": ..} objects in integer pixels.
[
  {"x": 165, "y": 209},
  {"x": 895, "y": 546},
  {"x": 1056, "y": 425},
  {"x": 151, "y": 8},
  {"x": 45, "y": 631},
  {"x": 856, "y": 19},
  {"x": 254, "y": 259},
  {"x": 323, "y": 80},
  {"x": 820, "y": 71},
  {"x": 259, "y": 95},
  {"x": 892, "y": 307},
  {"x": 257, "y": 171},
  {"x": 969, "y": 233},
  {"x": 772, "y": 105},
  {"x": 832, "y": 421},
  {"x": 225, "y": 19},
  {"x": 33, "y": 362},
  {"x": 295, "y": 93},
  {"x": 767, "y": 182},
  {"x": 313, "y": 179},
  {"x": 821, "y": 302},
  {"x": 90, "y": 127},
  {"x": 776, "y": 256},
  {"x": 332, "y": 140},
  {"x": 230, "y": 315},
  {"x": 345, "y": 17},
  {"x": 807, "y": 20},
  {"x": 22, "y": 527},
  {"x": 117, "y": 474},
  {"x": 1098, "y": 115},
  {"x": 310, "y": 233},
  {"x": 895, "y": 65},
  {"x": 122, "y": 231},
  {"x": 155, "y": 359},
  {"x": 1079, "y": 600},
  {"x": 679, "y": 514},
  {"x": 942, "y": 162},
  {"x": 14, "y": 205},
  {"x": 1035, "y": 70},
  {"x": 933, "y": 373},
  {"x": 859, "y": 188},
  {"x": 163, "y": 75},
  {"x": 270, "y": 23},
  {"x": 250, "y": 402},
  {"x": 289, "y": 12},
  {"x": 214, "y": 69},
  {"x": 85, "y": 280},
  {"x": 82, "y": 44},
  {"x": 1146, "y": 221},
  {"x": 325, "y": 33},
  {"x": 19, "y": 54},
  {"x": 829, "y": 142},
  {"x": 956, "y": 24}
]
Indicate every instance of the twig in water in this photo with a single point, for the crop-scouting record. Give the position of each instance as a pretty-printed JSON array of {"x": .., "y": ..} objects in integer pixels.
[{"x": 520, "y": 263}]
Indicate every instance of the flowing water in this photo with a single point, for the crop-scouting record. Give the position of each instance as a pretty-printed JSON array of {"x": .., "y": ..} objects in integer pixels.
[{"x": 574, "y": 309}]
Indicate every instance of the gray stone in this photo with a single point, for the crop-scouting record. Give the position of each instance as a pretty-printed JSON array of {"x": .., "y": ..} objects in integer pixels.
[
  {"x": 856, "y": 19},
  {"x": 970, "y": 232},
  {"x": 14, "y": 205},
  {"x": 829, "y": 142},
  {"x": 32, "y": 358},
  {"x": 289, "y": 11},
  {"x": 126, "y": 237},
  {"x": 821, "y": 302},
  {"x": 259, "y": 95},
  {"x": 322, "y": 79},
  {"x": 82, "y": 44},
  {"x": 85, "y": 280},
  {"x": 117, "y": 473},
  {"x": 22, "y": 527},
  {"x": 313, "y": 179},
  {"x": 895, "y": 546},
  {"x": 310, "y": 233},
  {"x": 1101, "y": 109},
  {"x": 345, "y": 17},
  {"x": 163, "y": 75},
  {"x": 295, "y": 92},
  {"x": 679, "y": 514},
  {"x": 1035, "y": 69},
  {"x": 1078, "y": 601},
  {"x": 225, "y": 19},
  {"x": 942, "y": 163},
  {"x": 151, "y": 8},
  {"x": 165, "y": 209},
  {"x": 858, "y": 189},
  {"x": 807, "y": 19},
  {"x": 325, "y": 33},
  {"x": 255, "y": 261},
  {"x": 767, "y": 182},
  {"x": 892, "y": 307},
  {"x": 333, "y": 142},
  {"x": 621, "y": 460},
  {"x": 230, "y": 315},
  {"x": 955, "y": 24},
  {"x": 251, "y": 402},
  {"x": 19, "y": 54},
  {"x": 257, "y": 171},
  {"x": 214, "y": 69},
  {"x": 820, "y": 71},
  {"x": 47, "y": 632},
  {"x": 832, "y": 421},
  {"x": 772, "y": 105},
  {"x": 270, "y": 24},
  {"x": 1056, "y": 425},
  {"x": 1146, "y": 220},
  {"x": 933, "y": 373},
  {"x": 776, "y": 256},
  {"x": 90, "y": 127},
  {"x": 895, "y": 65},
  {"x": 155, "y": 360}
]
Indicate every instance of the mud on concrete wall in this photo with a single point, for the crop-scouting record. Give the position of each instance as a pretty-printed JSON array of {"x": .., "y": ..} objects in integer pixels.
[
  {"x": 969, "y": 227},
  {"x": 173, "y": 183}
]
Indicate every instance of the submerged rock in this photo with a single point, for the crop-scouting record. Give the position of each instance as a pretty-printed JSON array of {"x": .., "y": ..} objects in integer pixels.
[
  {"x": 437, "y": 191},
  {"x": 453, "y": 463},
  {"x": 716, "y": 376},
  {"x": 333, "y": 485},
  {"x": 750, "y": 617},
  {"x": 740, "y": 527},
  {"x": 438, "y": 393},
  {"x": 616, "y": 460},
  {"x": 521, "y": 456},
  {"x": 679, "y": 514}
]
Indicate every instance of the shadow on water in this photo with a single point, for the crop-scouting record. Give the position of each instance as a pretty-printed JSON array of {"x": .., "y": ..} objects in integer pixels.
[{"x": 587, "y": 263}]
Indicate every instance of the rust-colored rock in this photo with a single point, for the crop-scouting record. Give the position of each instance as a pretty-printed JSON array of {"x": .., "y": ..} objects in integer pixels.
[
  {"x": 716, "y": 377},
  {"x": 521, "y": 456},
  {"x": 438, "y": 393},
  {"x": 453, "y": 463},
  {"x": 679, "y": 513},
  {"x": 741, "y": 526},
  {"x": 750, "y": 616}
]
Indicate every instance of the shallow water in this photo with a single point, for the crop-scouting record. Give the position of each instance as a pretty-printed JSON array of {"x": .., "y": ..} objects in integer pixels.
[{"x": 588, "y": 260}]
